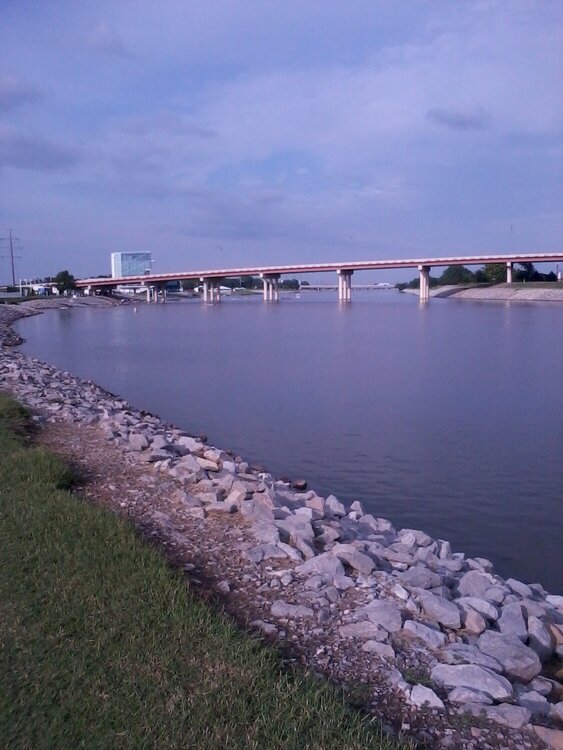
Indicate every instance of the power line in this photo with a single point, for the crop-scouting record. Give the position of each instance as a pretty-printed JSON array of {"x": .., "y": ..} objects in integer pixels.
[{"x": 11, "y": 239}]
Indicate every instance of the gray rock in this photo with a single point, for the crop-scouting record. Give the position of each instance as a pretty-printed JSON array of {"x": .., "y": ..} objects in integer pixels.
[
  {"x": 553, "y": 738},
  {"x": 519, "y": 588},
  {"x": 326, "y": 564},
  {"x": 472, "y": 676},
  {"x": 266, "y": 627},
  {"x": 354, "y": 558},
  {"x": 383, "y": 613},
  {"x": 511, "y": 621},
  {"x": 438, "y": 609},
  {"x": 365, "y": 630},
  {"x": 207, "y": 465},
  {"x": 334, "y": 506},
  {"x": 424, "y": 696},
  {"x": 293, "y": 528},
  {"x": 473, "y": 622},
  {"x": 189, "y": 463},
  {"x": 251, "y": 509},
  {"x": 536, "y": 704},
  {"x": 466, "y": 653},
  {"x": 190, "y": 444},
  {"x": 556, "y": 711},
  {"x": 514, "y": 717},
  {"x": 539, "y": 638},
  {"x": 290, "y": 611},
  {"x": 495, "y": 594},
  {"x": 160, "y": 442},
  {"x": 266, "y": 532},
  {"x": 517, "y": 661},
  {"x": 467, "y": 695},
  {"x": 414, "y": 537},
  {"x": 290, "y": 551},
  {"x": 555, "y": 600},
  {"x": 485, "y": 608},
  {"x": 420, "y": 577},
  {"x": 384, "y": 650},
  {"x": 474, "y": 583},
  {"x": 138, "y": 442},
  {"x": 343, "y": 583},
  {"x": 429, "y": 636}
]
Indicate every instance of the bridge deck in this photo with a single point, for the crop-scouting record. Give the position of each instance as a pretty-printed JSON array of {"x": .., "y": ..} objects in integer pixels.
[{"x": 369, "y": 265}]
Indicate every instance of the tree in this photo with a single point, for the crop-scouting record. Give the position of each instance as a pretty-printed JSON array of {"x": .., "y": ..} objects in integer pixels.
[
  {"x": 65, "y": 281},
  {"x": 457, "y": 275},
  {"x": 495, "y": 272}
]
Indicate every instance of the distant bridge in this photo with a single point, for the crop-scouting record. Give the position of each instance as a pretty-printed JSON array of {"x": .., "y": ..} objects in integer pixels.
[{"x": 270, "y": 275}]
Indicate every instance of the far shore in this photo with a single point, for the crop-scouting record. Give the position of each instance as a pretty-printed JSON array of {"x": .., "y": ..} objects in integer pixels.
[{"x": 500, "y": 292}]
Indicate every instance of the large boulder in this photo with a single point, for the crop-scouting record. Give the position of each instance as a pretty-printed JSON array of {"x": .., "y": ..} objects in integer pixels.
[
  {"x": 326, "y": 565},
  {"x": 517, "y": 661},
  {"x": 473, "y": 677},
  {"x": 383, "y": 613},
  {"x": 354, "y": 558},
  {"x": 440, "y": 610},
  {"x": 430, "y": 636}
]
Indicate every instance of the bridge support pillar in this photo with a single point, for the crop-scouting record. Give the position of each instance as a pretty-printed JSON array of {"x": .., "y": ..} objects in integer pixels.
[
  {"x": 271, "y": 287},
  {"x": 424, "y": 274},
  {"x": 509, "y": 272},
  {"x": 206, "y": 290},
  {"x": 216, "y": 290},
  {"x": 344, "y": 285}
]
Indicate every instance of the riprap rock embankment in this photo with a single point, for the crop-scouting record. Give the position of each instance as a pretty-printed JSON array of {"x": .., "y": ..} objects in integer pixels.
[{"x": 362, "y": 591}]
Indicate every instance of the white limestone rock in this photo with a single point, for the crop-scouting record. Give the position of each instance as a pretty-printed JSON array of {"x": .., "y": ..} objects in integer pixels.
[
  {"x": 354, "y": 558},
  {"x": 485, "y": 608},
  {"x": 514, "y": 717},
  {"x": 468, "y": 695},
  {"x": 424, "y": 696},
  {"x": 431, "y": 637},
  {"x": 325, "y": 564},
  {"x": 384, "y": 650},
  {"x": 517, "y": 661},
  {"x": 365, "y": 630},
  {"x": 511, "y": 621},
  {"x": 383, "y": 613},
  {"x": 472, "y": 676},
  {"x": 285, "y": 610},
  {"x": 440, "y": 610},
  {"x": 540, "y": 639}
]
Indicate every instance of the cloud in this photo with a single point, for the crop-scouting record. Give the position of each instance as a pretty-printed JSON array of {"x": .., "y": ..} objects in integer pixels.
[
  {"x": 459, "y": 119},
  {"x": 34, "y": 153},
  {"x": 106, "y": 42},
  {"x": 15, "y": 93}
]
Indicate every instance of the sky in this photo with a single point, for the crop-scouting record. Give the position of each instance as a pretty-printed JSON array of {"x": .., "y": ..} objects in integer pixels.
[{"x": 219, "y": 133}]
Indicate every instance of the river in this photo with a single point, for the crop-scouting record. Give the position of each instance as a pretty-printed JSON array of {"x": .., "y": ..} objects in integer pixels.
[{"x": 446, "y": 417}]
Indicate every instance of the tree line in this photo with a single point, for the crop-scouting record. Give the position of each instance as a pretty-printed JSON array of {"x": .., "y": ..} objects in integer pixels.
[{"x": 491, "y": 273}]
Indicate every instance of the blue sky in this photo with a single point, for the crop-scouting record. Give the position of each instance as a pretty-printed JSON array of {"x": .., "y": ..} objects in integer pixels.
[{"x": 220, "y": 133}]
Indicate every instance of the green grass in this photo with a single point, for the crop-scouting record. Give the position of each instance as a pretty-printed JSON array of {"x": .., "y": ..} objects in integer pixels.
[{"x": 103, "y": 646}]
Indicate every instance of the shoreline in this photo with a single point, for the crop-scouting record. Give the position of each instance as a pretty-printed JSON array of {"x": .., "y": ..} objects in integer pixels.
[
  {"x": 345, "y": 590},
  {"x": 496, "y": 293}
]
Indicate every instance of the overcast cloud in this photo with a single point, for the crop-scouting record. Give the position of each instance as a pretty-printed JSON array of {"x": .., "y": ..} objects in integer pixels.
[{"x": 221, "y": 132}]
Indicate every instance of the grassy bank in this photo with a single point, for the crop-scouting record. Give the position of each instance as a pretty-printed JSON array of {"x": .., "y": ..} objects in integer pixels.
[{"x": 103, "y": 646}]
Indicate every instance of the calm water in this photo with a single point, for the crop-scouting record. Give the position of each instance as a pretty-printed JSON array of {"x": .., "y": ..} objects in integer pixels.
[{"x": 447, "y": 418}]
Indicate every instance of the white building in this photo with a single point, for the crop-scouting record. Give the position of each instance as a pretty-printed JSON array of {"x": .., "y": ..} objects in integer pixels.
[{"x": 130, "y": 264}]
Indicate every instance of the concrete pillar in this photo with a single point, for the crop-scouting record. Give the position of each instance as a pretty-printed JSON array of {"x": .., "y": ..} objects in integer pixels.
[
  {"x": 344, "y": 285},
  {"x": 205, "y": 284},
  {"x": 509, "y": 272},
  {"x": 424, "y": 274},
  {"x": 148, "y": 294},
  {"x": 217, "y": 287},
  {"x": 270, "y": 289}
]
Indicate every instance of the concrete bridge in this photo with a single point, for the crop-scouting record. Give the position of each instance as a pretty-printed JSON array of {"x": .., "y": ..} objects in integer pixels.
[{"x": 270, "y": 275}]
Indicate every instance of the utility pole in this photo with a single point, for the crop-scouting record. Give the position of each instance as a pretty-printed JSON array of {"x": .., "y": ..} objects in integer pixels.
[{"x": 11, "y": 239}]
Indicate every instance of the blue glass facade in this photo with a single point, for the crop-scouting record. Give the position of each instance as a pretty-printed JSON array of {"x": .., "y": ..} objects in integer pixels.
[{"x": 130, "y": 264}]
